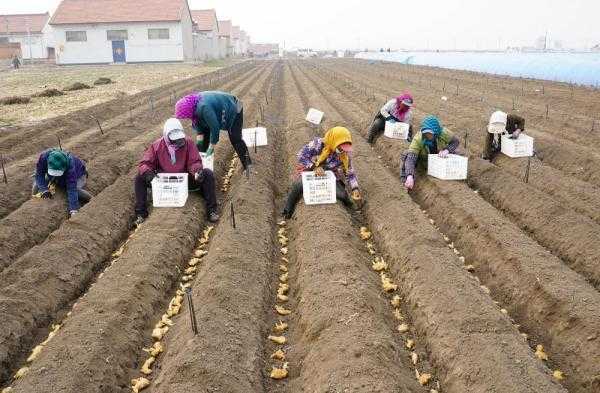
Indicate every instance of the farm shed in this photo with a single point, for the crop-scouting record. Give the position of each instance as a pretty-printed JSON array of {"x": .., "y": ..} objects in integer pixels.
[
  {"x": 112, "y": 31},
  {"x": 26, "y": 30}
]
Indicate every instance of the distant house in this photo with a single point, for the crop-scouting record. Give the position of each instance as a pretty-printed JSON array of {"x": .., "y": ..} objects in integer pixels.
[
  {"x": 235, "y": 40},
  {"x": 225, "y": 27},
  {"x": 24, "y": 33},
  {"x": 245, "y": 42},
  {"x": 208, "y": 43},
  {"x": 114, "y": 31},
  {"x": 264, "y": 50},
  {"x": 596, "y": 48}
]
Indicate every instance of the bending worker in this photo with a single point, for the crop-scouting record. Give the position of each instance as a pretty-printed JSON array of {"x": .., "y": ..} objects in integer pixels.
[
  {"x": 64, "y": 170},
  {"x": 433, "y": 139},
  {"x": 211, "y": 112},
  {"x": 501, "y": 123},
  {"x": 396, "y": 110},
  {"x": 174, "y": 153},
  {"x": 333, "y": 152}
]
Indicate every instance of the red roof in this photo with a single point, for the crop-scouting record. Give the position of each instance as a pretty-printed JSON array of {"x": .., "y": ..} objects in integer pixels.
[
  {"x": 16, "y": 24},
  {"x": 224, "y": 28},
  {"x": 205, "y": 19},
  {"x": 235, "y": 32},
  {"x": 115, "y": 11}
]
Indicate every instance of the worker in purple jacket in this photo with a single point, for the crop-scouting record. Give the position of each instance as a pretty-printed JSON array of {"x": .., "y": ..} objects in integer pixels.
[{"x": 65, "y": 171}]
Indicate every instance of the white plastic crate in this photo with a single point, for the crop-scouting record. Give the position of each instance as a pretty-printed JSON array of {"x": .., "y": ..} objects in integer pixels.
[
  {"x": 170, "y": 190},
  {"x": 318, "y": 190},
  {"x": 314, "y": 116},
  {"x": 453, "y": 167},
  {"x": 515, "y": 148},
  {"x": 208, "y": 162},
  {"x": 255, "y": 136},
  {"x": 396, "y": 130}
]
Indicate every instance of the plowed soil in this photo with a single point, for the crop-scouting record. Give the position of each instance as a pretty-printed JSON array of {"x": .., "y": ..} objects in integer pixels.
[{"x": 483, "y": 272}]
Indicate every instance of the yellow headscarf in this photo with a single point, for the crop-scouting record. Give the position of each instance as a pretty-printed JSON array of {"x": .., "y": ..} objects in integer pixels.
[{"x": 332, "y": 139}]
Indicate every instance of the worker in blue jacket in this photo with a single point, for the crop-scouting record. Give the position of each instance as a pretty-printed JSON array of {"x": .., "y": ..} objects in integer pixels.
[
  {"x": 211, "y": 112},
  {"x": 64, "y": 170}
]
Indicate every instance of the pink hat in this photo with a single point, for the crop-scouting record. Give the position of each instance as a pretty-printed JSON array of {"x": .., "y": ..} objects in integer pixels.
[{"x": 186, "y": 106}]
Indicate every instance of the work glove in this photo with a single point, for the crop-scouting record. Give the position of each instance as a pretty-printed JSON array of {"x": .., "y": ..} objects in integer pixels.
[
  {"x": 46, "y": 195},
  {"x": 199, "y": 177},
  {"x": 72, "y": 213},
  {"x": 319, "y": 171},
  {"x": 210, "y": 151},
  {"x": 149, "y": 176},
  {"x": 410, "y": 182},
  {"x": 391, "y": 119},
  {"x": 444, "y": 153},
  {"x": 515, "y": 135}
]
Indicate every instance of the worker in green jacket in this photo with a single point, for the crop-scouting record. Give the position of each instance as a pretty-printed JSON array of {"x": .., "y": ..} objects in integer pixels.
[
  {"x": 433, "y": 139},
  {"x": 211, "y": 112}
]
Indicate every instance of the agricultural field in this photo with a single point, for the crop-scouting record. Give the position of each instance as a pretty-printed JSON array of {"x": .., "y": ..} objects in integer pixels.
[
  {"x": 126, "y": 80},
  {"x": 488, "y": 285}
]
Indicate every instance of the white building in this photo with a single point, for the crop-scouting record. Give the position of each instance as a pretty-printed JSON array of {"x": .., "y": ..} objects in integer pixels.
[
  {"x": 225, "y": 28},
  {"x": 207, "y": 43},
  {"x": 236, "y": 41},
  {"x": 245, "y": 42},
  {"x": 26, "y": 30},
  {"x": 114, "y": 31}
]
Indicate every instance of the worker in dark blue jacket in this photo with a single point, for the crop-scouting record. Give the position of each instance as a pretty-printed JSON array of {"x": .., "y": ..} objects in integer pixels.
[
  {"x": 64, "y": 170},
  {"x": 211, "y": 112}
]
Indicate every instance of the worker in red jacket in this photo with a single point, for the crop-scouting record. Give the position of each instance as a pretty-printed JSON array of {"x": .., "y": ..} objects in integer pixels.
[{"x": 174, "y": 153}]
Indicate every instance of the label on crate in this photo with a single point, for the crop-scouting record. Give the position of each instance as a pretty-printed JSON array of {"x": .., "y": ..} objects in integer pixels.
[
  {"x": 396, "y": 130},
  {"x": 255, "y": 136},
  {"x": 314, "y": 116},
  {"x": 318, "y": 190},
  {"x": 208, "y": 162}
]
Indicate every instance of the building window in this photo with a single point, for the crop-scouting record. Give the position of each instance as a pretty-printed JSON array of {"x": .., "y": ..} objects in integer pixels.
[
  {"x": 116, "y": 35},
  {"x": 76, "y": 36},
  {"x": 158, "y": 34}
]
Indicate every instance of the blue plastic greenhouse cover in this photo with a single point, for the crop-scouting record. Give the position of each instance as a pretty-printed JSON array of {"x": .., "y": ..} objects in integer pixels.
[{"x": 577, "y": 68}]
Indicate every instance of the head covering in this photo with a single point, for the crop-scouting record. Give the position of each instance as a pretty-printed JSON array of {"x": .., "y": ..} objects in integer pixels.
[
  {"x": 402, "y": 110},
  {"x": 186, "y": 106},
  {"x": 497, "y": 124},
  {"x": 58, "y": 161},
  {"x": 332, "y": 139},
  {"x": 431, "y": 125},
  {"x": 172, "y": 130}
]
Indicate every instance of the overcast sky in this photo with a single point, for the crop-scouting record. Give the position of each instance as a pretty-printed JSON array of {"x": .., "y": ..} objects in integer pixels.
[{"x": 412, "y": 24}]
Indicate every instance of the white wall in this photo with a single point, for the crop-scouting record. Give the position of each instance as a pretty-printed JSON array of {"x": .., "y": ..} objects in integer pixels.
[
  {"x": 207, "y": 46},
  {"x": 187, "y": 38},
  {"x": 37, "y": 49},
  {"x": 137, "y": 47}
]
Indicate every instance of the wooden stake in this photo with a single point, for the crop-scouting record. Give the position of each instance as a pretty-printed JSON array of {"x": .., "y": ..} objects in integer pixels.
[
  {"x": 466, "y": 139},
  {"x": 232, "y": 216},
  {"x": 3, "y": 170},
  {"x": 59, "y": 144},
  {"x": 194, "y": 323},
  {"x": 547, "y": 110},
  {"x": 99, "y": 126},
  {"x": 526, "y": 178}
]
